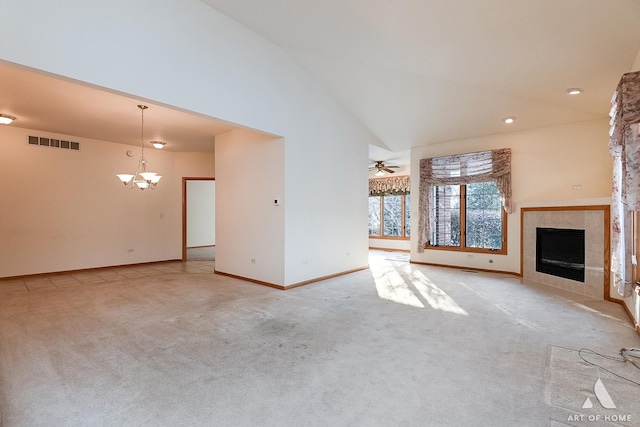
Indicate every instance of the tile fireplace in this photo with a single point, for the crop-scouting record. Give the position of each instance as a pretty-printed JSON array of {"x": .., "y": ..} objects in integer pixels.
[{"x": 567, "y": 248}]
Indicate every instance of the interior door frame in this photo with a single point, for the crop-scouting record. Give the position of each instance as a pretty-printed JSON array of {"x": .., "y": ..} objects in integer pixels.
[{"x": 184, "y": 209}]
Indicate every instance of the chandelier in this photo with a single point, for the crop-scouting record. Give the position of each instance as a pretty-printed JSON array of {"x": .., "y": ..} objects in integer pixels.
[{"x": 142, "y": 178}]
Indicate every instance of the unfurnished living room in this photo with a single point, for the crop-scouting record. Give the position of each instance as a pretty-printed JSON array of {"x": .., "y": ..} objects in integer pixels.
[{"x": 346, "y": 213}]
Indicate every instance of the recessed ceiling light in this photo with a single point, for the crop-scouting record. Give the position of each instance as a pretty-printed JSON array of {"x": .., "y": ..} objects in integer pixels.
[
  {"x": 574, "y": 91},
  {"x": 509, "y": 120},
  {"x": 6, "y": 119}
]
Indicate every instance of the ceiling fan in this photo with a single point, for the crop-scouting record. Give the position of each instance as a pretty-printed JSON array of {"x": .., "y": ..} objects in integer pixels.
[{"x": 382, "y": 168}]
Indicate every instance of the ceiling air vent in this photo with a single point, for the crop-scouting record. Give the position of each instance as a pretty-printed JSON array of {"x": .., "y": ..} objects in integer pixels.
[{"x": 52, "y": 142}]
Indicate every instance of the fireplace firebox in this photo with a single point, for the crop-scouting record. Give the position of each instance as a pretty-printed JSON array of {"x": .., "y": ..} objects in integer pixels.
[{"x": 560, "y": 252}]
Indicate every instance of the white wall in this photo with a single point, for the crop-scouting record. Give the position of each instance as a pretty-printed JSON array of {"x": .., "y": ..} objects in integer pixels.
[
  {"x": 183, "y": 53},
  {"x": 249, "y": 226},
  {"x": 201, "y": 213},
  {"x": 65, "y": 210},
  {"x": 195, "y": 165},
  {"x": 546, "y": 165},
  {"x": 326, "y": 201},
  {"x": 390, "y": 244},
  {"x": 633, "y": 304}
]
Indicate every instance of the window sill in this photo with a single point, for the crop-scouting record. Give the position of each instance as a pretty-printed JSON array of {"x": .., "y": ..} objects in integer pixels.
[
  {"x": 467, "y": 250},
  {"x": 389, "y": 238}
]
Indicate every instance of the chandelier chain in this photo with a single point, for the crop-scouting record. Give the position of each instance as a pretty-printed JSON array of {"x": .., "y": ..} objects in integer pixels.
[
  {"x": 141, "y": 178},
  {"x": 142, "y": 108}
]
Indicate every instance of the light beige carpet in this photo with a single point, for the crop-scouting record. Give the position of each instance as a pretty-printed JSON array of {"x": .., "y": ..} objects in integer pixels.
[{"x": 396, "y": 345}]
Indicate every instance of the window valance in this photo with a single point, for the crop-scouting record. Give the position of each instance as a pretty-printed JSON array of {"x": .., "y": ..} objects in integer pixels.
[
  {"x": 484, "y": 166},
  {"x": 396, "y": 185}
]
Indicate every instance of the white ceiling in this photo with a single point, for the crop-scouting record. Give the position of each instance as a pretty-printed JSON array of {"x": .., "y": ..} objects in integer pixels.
[
  {"x": 52, "y": 104},
  {"x": 415, "y": 72},
  {"x": 419, "y": 72}
]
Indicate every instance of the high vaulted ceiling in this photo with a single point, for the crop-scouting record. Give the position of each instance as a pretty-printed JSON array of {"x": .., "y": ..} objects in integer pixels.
[
  {"x": 419, "y": 72},
  {"x": 415, "y": 72}
]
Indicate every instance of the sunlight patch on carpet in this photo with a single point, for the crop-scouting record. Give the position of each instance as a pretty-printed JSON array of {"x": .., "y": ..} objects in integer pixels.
[
  {"x": 391, "y": 286},
  {"x": 408, "y": 286},
  {"x": 435, "y": 297}
]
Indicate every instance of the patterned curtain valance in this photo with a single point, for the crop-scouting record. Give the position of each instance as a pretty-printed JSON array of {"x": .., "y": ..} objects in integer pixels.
[
  {"x": 391, "y": 185},
  {"x": 483, "y": 166}
]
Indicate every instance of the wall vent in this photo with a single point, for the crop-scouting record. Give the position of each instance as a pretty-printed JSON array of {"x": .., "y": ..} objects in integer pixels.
[{"x": 52, "y": 142}]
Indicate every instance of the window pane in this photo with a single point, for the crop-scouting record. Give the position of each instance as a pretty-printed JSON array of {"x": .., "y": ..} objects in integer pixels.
[
  {"x": 484, "y": 216},
  {"x": 446, "y": 201},
  {"x": 392, "y": 214},
  {"x": 407, "y": 215},
  {"x": 374, "y": 216}
]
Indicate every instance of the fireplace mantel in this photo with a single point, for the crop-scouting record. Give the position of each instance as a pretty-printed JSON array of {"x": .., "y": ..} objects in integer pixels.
[{"x": 595, "y": 220}]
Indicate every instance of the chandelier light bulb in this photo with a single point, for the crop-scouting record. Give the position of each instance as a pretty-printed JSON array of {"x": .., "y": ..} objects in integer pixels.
[
  {"x": 125, "y": 177},
  {"x": 147, "y": 176}
]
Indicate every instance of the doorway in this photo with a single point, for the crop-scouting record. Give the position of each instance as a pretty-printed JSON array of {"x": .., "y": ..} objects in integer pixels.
[{"x": 198, "y": 219}]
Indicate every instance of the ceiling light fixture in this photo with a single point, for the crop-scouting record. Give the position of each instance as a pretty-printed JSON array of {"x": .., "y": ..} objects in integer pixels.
[
  {"x": 509, "y": 120},
  {"x": 158, "y": 144},
  {"x": 142, "y": 178},
  {"x": 6, "y": 119},
  {"x": 380, "y": 172},
  {"x": 574, "y": 91}
]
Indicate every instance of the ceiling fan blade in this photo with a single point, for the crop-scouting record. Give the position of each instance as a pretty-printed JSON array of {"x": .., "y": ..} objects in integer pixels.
[{"x": 388, "y": 170}]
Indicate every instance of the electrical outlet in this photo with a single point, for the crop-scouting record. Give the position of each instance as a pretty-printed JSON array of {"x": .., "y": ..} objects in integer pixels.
[
  {"x": 253, "y": 260},
  {"x": 130, "y": 250}
]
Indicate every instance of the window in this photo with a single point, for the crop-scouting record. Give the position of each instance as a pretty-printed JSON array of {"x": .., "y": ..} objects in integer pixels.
[
  {"x": 464, "y": 200},
  {"x": 374, "y": 216},
  {"x": 468, "y": 217},
  {"x": 407, "y": 215},
  {"x": 446, "y": 214},
  {"x": 389, "y": 216}
]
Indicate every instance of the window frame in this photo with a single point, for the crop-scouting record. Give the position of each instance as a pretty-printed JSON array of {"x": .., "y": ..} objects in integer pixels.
[
  {"x": 635, "y": 245},
  {"x": 404, "y": 217},
  {"x": 463, "y": 230}
]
